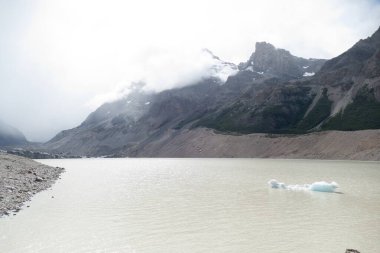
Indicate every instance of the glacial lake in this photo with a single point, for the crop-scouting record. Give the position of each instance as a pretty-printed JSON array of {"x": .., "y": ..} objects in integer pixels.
[{"x": 199, "y": 205}]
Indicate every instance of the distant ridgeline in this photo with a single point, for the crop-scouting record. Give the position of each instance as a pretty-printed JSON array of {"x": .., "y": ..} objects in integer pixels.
[
  {"x": 10, "y": 136},
  {"x": 273, "y": 92}
]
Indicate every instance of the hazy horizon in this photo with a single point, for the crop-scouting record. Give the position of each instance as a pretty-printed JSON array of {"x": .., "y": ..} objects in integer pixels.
[{"x": 61, "y": 59}]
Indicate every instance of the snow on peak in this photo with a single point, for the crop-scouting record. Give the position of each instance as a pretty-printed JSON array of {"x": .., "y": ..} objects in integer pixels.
[
  {"x": 218, "y": 68},
  {"x": 308, "y": 74},
  {"x": 223, "y": 70}
]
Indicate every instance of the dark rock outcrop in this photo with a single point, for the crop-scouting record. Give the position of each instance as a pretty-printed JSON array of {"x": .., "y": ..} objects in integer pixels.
[{"x": 280, "y": 63}]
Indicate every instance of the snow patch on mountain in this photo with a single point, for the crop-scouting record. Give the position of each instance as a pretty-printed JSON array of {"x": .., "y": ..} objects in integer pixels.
[{"x": 308, "y": 74}]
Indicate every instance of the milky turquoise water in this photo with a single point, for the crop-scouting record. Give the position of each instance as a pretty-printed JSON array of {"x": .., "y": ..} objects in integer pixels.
[{"x": 199, "y": 205}]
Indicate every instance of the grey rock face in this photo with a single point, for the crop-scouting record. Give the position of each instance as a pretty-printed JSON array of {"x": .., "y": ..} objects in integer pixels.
[
  {"x": 360, "y": 60},
  {"x": 267, "y": 60},
  {"x": 347, "y": 74}
]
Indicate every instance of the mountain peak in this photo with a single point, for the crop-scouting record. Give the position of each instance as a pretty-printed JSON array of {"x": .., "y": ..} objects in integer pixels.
[
  {"x": 361, "y": 59},
  {"x": 270, "y": 61},
  {"x": 376, "y": 35},
  {"x": 264, "y": 47},
  {"x": 221, "y": 69},
  {"x": 209, "y": 52}
]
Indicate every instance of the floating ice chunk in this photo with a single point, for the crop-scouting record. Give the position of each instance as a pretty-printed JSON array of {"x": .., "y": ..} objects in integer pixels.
[
  {"x": 297, "y": 187},
  {"x": 324, "y": 186},
  {"x": 275, "y": 184},
  {"x": 308, "y": 74},
  {"x": 316, "y": 186},
  {"x": 305, "y": 67},
  {"x": 147, "y": 103},
  {"x": 261, "y": 73}
]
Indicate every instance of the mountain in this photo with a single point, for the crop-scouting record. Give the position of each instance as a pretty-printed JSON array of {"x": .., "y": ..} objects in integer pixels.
[
  {"x": 129, "y": 121},
  {"x": 272, "y": 92},
  {"x": 352, "y": 84},
  {"x": 343, "y": 95},
  {"x": 279, "y": 62},
  {"x": 10, "y": 136}
]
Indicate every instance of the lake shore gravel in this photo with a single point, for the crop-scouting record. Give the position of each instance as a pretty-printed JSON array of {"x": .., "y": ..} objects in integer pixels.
[{"x": 20, "y": 179}]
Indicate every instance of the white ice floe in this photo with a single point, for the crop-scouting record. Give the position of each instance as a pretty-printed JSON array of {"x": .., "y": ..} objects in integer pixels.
[
  {"x": 305, "y": 67},
  {"x": 324, "y": 186},
  {"x": 321, "y": 186},
  {"x": 308, "y": 74},
  {"x": 261, "y": 73},
  {"x": 147, "y": 103}
]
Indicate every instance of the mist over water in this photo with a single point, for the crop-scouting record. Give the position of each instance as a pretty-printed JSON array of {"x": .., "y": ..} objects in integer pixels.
[{"x": 199, "y": 205}]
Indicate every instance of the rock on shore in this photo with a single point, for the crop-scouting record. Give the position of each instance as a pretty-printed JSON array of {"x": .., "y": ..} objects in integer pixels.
[{"x": 21, "y": 178}]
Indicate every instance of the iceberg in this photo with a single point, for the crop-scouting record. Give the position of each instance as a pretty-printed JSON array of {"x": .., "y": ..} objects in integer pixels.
[
  {"x": 321, "y": 186},
  {"x": 275, "y": 184},
  {"x": 324, "y": 186}
]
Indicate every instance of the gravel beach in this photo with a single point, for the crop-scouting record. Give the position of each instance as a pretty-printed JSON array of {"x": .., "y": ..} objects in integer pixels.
[{"x": 20, "y": 179}]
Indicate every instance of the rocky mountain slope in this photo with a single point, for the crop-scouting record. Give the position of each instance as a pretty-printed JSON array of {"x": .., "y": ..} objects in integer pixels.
[
  {"x": 352, "y": 81},
  {"x": 343, "y": 95},
  {"x": 273, "y": 92},
  {"x": 10, "y": 136}
]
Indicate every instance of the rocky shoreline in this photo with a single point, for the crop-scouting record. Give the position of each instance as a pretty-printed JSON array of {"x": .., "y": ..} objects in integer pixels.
[{"x": 20, "y": 179}]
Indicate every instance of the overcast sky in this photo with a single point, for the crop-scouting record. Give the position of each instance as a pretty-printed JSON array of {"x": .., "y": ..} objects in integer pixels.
[{"x": 60, "y": 59}]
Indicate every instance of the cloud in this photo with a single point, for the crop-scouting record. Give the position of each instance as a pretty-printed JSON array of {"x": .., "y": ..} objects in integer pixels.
[
  {"x": 163, "y": 69},
  {"x": 59, "y": 57}
]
